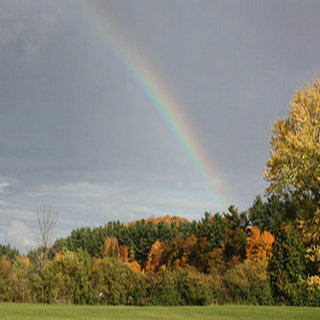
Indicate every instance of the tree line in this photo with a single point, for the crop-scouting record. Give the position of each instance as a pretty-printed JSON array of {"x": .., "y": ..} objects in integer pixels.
[{"x": 255, "y": 257}]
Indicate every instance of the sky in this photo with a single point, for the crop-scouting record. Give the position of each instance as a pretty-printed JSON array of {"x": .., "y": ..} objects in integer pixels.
[{"x": 122, "y": 110}]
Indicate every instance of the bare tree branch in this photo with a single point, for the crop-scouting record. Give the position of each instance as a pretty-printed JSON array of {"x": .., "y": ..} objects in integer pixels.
[{"x": 47, "y": 217}]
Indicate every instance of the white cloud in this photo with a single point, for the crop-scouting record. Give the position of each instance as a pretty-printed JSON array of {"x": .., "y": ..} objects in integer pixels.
[
  {"x": 3, "y": 187},
  {"x": 20, "y": 236}
]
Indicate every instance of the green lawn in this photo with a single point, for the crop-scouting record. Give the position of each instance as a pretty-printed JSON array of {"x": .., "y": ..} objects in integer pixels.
[{"x": 53, "y": 312}]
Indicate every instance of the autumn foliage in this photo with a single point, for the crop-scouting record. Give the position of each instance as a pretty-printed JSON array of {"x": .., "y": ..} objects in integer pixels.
[
  {"x": 259, "y": 245},
  {"x": 111, "y": 247},
  {"x": 155, "y": 256},
  {"x": 166, "y": 219}
]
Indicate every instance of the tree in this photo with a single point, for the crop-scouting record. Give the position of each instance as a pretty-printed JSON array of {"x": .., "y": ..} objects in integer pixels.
[
  {"x": 259, "y": 245},
  {"x": 111, "y": 247},
  {"x": 113, "y": 282},
  {"x": 287, "y": 266},
  {"x": 47, "y": 217},
  {"x": 294, "y": 166},
  {"x": 235, "y": 241},
  {"x": 7, "y": 250},
  {"x": 19, "y": 282},
  {"x": 155, "y": 256},
  {"x": 211, "y": 227},
  {"x": 123, "y": 253},
  {"x": 66, "y": 278},
  {"x": 270, "y": 214},
  {"x": 174, "y": 251},
  {"x": 5, "y": 269}
]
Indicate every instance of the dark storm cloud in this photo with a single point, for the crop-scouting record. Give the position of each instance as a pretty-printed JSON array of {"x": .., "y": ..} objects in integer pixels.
[{"x": 75, "y": 130}]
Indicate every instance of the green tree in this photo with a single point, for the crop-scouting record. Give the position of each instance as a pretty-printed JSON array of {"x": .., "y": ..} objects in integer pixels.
[
  {"x": 7, "y": 250},
  {"x": 257, "y": 214},
  {"x": 212, "y": 229},
  {"x": 115, "y": 283},
  {"x": 287, "y": 266},
  {"x": 66, "y": 278},
  {"x": 270, "y": 214},
  {"x": 210, "y": 235},
  {"x": 235, "y": 242},
  {"x": 19, "y": 279},
  {"x": 143, "y": 235}
]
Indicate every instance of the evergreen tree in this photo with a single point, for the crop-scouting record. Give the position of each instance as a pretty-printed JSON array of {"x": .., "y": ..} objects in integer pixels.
[{"x": 287, "y": 266}]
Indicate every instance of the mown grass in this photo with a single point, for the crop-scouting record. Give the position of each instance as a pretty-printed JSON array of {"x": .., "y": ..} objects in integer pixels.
[{"x": 68, "y": 312}]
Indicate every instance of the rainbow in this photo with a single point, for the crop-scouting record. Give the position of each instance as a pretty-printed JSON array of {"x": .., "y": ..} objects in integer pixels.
[{"x": 159, "y": 97}]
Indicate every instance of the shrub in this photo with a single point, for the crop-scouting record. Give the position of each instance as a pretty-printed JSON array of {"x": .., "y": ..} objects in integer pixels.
[
  {"x": 180, "y": 287},
  {"x": 162, "y": 288},
  {"x": 248, "y": 283},
  {"x": 313, "y": 291},
  {"x": 196, "y": 288}
]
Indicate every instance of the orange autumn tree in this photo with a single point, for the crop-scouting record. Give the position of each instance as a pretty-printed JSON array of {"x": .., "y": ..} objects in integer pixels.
[
  {"x": 123, "y": 253},
  {"x": 111, "y": 247},
  {"x": 259, "y": 244},
  {"x": 155, "y": 256}
]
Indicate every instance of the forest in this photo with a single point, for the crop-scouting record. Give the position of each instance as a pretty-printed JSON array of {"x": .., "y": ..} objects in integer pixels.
[{"x": 266, "y": 255}]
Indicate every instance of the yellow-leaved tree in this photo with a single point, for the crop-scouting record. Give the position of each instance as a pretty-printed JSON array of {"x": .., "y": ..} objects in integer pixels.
[{"x": 294, "y": 166}]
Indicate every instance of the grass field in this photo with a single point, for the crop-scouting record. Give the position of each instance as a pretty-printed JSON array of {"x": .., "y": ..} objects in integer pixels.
[{"x": 54, "y": 312}]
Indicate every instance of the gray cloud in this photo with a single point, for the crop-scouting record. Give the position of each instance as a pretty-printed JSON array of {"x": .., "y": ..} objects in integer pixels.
[
  {"x": 27, "y": 26},
  {"x": 76, "y": 131}
]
